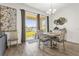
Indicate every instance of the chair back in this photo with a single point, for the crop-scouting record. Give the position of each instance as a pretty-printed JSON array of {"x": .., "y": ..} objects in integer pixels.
[
  {"x": 63, "y": 34},
  {"x": 40, "y": 33},
  {"x": 13, "y": 35}
]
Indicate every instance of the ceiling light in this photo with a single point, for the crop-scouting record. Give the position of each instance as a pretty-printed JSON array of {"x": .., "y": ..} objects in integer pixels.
[
  {"x": 50, "y": 9},
  {"x": 54, "y": 10},
  {"x": 47, "y": 12}
]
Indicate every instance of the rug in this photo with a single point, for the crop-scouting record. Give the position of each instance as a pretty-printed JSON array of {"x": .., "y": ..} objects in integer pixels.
[
  {"x": 32, "y": 41},
  {"x": 35, "y": 40}
]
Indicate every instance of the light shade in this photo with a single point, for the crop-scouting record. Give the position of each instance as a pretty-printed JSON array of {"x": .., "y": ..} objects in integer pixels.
[
  {"x": 54, "y": 10},
  {"x": 51, "y": 11}
]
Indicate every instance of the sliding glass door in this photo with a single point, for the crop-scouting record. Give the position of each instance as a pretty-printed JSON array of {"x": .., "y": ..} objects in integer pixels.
[
  {"x": 34, "y": 22},
  {"x": 30, "y": 25},
  {"x": 43, "y": 23}
]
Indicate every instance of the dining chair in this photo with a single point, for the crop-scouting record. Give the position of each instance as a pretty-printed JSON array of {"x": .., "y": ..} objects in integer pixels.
[
  {"x": 61, "y": 39},
  {"x": 42, "y": 38},
  {"x": 56, "y": 28}
]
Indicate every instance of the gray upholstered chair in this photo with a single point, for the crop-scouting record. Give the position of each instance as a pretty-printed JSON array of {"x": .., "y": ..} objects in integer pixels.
[
  {"x": 60, "y": 39},
  {"x": 42, "y": 38}
]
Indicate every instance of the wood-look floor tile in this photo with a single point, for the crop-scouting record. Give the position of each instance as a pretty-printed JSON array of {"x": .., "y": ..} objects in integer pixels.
[{"x": 33, "y": 50}]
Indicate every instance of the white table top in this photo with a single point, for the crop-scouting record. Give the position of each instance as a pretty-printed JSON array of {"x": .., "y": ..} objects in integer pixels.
[{"x": 54, "y": 33}]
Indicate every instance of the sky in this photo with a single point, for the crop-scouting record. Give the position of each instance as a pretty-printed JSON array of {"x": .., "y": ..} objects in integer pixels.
[{"x": 31, "y": 23}]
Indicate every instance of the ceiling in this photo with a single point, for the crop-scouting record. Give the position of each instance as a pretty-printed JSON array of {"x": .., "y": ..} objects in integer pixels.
[{"x": 44, "y": 7}]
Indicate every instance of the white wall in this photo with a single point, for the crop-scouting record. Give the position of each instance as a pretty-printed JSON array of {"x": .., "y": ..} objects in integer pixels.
[
  {"x": 71, "y": 13},
  {"x": 19, "y": 6}
]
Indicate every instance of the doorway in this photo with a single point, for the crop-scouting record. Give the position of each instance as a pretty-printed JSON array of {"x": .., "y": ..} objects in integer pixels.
[
  {"x": 43, "y": 23},
  {"x": 30, "y": 26}
]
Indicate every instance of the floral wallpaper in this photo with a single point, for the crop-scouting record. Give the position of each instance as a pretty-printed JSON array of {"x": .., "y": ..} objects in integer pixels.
[{"x": 7, "y": 18}]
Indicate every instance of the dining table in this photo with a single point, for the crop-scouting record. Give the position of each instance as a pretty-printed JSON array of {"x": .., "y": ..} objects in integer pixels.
[{"x": 51, "y": 35}]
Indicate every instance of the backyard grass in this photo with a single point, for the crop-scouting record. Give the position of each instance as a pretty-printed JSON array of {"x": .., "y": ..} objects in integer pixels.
[{"x": 30, "y": 34}]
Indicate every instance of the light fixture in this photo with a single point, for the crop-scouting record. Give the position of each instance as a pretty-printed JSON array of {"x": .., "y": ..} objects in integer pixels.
[
  {"x": 51, "y": 11},
  {"x": 54, "y": 10}
]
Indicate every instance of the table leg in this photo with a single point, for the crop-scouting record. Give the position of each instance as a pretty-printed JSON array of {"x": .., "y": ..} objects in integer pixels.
[{"x": 50, "y": 43}]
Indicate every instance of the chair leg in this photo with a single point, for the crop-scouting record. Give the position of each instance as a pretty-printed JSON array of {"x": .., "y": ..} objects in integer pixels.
[
  {"x": 9, "y": 46},
  {"x": 39, "y": 44},
  {"x": 50, "y": 43},
  {"x": 35, "y": 36},
  {"x": 17, "y": 42},
  {"x": 63, "y": 46},
  {"x": 57, "y": 45},
  {"x": 10, "y": 43},
  {"x": 43, "y": 45}
]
